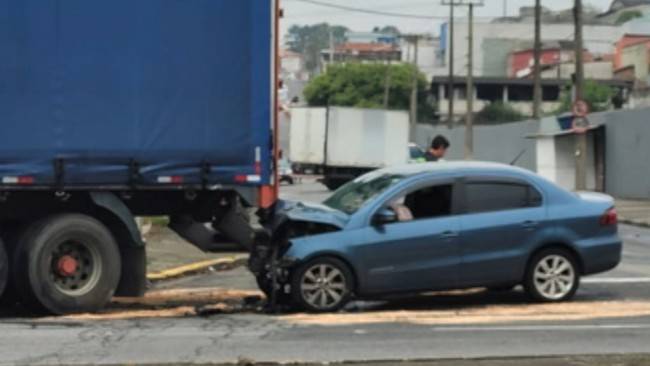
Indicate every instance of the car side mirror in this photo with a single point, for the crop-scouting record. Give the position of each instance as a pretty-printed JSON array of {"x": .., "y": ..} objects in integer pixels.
[{"x": 385, "y": 217}]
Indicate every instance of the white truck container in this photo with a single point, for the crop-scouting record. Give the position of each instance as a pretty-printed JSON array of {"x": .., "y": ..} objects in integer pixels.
[
  {"x": 307, "y": 132},
  {"x": 348, "y": 142}
]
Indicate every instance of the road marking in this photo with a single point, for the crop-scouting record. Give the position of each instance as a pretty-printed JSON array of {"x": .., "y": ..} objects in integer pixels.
[
  {"x": 543, "y": 328},
  {"x": 622, "y": 280}
]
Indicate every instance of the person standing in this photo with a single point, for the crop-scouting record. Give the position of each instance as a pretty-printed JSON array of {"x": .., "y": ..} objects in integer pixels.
[{"x": 438, "y": 149}]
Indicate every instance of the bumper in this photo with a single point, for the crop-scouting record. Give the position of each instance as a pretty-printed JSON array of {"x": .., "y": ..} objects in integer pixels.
[{"x": 602, "y": 257}]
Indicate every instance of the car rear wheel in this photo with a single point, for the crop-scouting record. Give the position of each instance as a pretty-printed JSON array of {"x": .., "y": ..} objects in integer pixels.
[
  {"x": 4, "y": 269},
  {"x": 322, "y": 285},
  {"x": 67, "y": 264},
  {"x": 552, "y": 276}
]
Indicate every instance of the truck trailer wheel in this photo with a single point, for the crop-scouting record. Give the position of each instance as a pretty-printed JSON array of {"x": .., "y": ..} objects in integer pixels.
[
  {"x": 67, "y": 264},
  {"x": 4, "y": 268}
]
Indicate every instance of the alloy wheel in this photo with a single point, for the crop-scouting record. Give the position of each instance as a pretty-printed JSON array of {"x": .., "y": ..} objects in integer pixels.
[
  {"x": 554, "y": 277},
  {"x": 323, "y": 286}
]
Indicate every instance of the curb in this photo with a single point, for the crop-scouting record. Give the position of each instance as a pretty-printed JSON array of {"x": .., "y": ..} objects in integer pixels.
[
  {"x": 632, "y": 222},
  {"x": 193, "y": 268}
]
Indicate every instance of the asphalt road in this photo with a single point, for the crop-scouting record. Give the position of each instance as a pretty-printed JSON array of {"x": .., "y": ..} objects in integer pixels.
[{"x": 611, "y": 315}]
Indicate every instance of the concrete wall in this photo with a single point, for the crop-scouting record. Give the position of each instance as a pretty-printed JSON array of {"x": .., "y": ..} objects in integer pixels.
[
  {"x": 627, "y": 150},
  {"x": 501, "y": 143},
  {"x": 637, "y": 56},
  {"x": 495, "y": 55},
  {"x": 601, "y": 70},
  {"x": 427, "y": 59},
  {"x": 628, "y": 153},
  {"x": 556, "y": 161}
]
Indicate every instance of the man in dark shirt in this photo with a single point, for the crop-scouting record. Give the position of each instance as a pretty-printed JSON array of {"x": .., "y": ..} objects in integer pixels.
[{"x": 438, "y": 149}]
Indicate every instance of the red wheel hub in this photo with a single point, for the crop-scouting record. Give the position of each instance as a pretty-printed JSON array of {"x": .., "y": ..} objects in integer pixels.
[{"x": 67, "y": 266}]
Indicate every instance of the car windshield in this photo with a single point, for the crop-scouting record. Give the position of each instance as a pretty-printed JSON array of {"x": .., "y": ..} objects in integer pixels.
[{"x": 354, "y": 195}]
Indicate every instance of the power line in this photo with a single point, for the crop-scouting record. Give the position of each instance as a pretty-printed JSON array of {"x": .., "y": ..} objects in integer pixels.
[
  {"x": 370, "y": 11},
  {"x": 383, "y": 13}
]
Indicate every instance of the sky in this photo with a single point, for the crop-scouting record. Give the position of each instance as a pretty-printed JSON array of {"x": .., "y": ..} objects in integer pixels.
[{"x": 299, "y": 12}]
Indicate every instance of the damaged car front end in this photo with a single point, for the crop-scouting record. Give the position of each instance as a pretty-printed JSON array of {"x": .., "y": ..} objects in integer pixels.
[
  {"x": 305, "y": 260},
  {"x": 290, "y": 225}
]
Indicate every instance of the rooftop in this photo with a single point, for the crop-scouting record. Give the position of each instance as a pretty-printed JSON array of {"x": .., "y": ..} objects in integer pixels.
[
  {"x": 366, "y": 48},
  {"x": 618, "y": 5},
  {"x": 549, "y": 45}
]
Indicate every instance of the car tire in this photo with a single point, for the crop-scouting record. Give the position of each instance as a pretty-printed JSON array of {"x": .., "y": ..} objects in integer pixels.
[
  {"x": 66, "y": 264},
  {"x": 4, "y": 269},
  {"x": 553, "y": 275},
  {"x": 322, "y": 285}
]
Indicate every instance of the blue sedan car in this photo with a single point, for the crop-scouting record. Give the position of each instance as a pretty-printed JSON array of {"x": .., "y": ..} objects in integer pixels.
[{"x": 439, "y": 226}]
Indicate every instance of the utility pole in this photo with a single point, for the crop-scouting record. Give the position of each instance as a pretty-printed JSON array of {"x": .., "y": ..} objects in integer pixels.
[
  {"x": 450, "y": 85},
  {"x": 332, "y": 49},
  {"x": 505, "y": 8},
  {"x": 581, "y": 138},
  {"x": 414, "y": 87},
  {"x": 387, "y": 81},
  {"x": 469, "y": 118},
  {"x": 537, "y": 89}
]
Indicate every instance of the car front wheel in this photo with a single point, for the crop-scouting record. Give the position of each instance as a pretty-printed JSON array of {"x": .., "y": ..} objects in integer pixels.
[
  {"x": 322, "y": 285},
  {"x": 552, "y": 276}
]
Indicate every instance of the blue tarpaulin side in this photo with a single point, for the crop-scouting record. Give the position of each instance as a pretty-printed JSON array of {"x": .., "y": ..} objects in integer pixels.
[{"x": 172, "y": 85}]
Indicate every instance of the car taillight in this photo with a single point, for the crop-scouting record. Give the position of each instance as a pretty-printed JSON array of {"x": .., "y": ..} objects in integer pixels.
[{"x": 609, "y": 218}]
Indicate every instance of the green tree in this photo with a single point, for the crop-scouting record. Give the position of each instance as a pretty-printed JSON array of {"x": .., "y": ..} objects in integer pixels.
[
  {"x": 598, "y": 97},
  {"x": 311, "y": 40},
  {"x": 626, "y": 16},
  {"x": 499, "y": 112},
  {"x": 363, "y": 86}
]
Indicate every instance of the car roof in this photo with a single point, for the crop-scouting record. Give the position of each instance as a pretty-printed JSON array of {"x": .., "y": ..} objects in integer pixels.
[{"x": 444, "y": 168}]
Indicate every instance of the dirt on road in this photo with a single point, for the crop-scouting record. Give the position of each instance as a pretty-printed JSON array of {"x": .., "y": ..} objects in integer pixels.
[{"x": 455, "y": 308}]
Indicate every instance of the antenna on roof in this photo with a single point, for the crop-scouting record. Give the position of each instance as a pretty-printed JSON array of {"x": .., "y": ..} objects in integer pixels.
[{"x": 518, "y": 157}]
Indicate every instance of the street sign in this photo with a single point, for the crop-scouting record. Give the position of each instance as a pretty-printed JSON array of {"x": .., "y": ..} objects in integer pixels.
[
  {"x": 580, "y": 109},
  {"x": 580, "y": 125}
]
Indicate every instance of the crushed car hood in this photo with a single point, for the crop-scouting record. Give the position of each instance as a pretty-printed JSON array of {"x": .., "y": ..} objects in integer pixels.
[{"x": 312, "y": 212}]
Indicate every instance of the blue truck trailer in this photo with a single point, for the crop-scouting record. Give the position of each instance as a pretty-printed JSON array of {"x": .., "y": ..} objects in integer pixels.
[{"x": 111, "y": 110}]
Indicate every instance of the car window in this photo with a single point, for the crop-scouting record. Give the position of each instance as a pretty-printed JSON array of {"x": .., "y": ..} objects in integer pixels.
[
  {"x": 489, "y": 197},
  {"x": 430, "y": 202},
  {"x": 354, "y": 195}
]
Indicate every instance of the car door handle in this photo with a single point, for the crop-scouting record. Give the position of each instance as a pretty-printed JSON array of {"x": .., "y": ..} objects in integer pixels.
[
  {"x": 530, "y": 224},
  {"x": 449, "y": 235}
]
